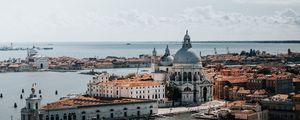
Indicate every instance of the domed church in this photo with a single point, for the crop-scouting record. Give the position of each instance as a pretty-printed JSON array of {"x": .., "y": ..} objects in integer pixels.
[{"x": 183, "y": 72}]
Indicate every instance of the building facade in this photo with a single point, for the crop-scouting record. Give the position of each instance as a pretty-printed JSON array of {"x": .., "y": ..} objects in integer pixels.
[
  {"x": 183, "y": 71},
  {"x": 36, "y": 60},
  {"x": 142, "y": 87},
  {"x": 88, "y": 108}
]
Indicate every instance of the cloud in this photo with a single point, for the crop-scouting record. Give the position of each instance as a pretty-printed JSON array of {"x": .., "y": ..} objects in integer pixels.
[
  {"x": 209, "y": 16},
  {"x": 205, "y": 20},
  {"x": 279, "y": 2}
]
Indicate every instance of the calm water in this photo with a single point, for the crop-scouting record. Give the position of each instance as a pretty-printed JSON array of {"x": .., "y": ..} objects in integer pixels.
[
  {"x": 100, "y": 49},
  {"x": 11, "y": 85}
]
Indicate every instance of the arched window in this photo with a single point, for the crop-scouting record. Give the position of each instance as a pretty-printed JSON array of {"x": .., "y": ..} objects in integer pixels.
[
  {"x": 83, "y": 112},
  {"x": 151, "y": 106},
  {"x": 65, "y": 116},
  {"x": 29, "y": 106},
  {"x": 56, "y": 117},
  {"x": 47, "y": 117},
  {"x": 189, "y": 76},
  {"x": 184, "y": 76},
  {"x": 97, "y": 111},
  {"x": 187, "y": 89},
  {"x": 111, "y": 115},
  {"x": 125, "y": 114},
  {"x": 125, "y": 109},
  {"x": 36, "y": 106},
  {"x": 138, "y": 113},
  {"x": 52, "y": 117},
  {"x": 70, "y": 116},
  {"x": 151, "y": 112},
  {"x": 111, "y": 109},
  {"x": 138, "y": 108},
  {"x": 74, "y": 116}
]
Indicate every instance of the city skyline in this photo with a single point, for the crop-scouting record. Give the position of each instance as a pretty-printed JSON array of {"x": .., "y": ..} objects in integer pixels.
[{"x": 108, "y": 21}]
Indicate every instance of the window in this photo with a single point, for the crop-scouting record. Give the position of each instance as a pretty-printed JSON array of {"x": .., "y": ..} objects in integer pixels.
[
  {"x": 56, "y": 117},
  {"x": 151, "y": 112},
  {"x": 125, "y": 114},
  {"x": 29, "y": 106},
  {"x": 138, "y": 113},
  {"x": 36, "y": 106},
  {"x": 65, "y": 116},
  {"x": 111, "y": 115},
  {"x": 74, "y": 116}
]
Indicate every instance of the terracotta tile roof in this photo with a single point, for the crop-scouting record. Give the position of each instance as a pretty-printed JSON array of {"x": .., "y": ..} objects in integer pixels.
[
  {"x": 139, "y": 81},
  {"x": 274, "y": 76},
  {"x": 86, "y": 101},
  {"x": 260, "y": 92}
]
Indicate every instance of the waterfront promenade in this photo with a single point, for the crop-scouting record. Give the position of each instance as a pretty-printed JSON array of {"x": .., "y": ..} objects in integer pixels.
[{"x": 177, "y": 110}]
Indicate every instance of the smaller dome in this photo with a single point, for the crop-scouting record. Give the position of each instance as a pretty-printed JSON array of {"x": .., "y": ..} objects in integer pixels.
[{"x": 166, "y": 60}]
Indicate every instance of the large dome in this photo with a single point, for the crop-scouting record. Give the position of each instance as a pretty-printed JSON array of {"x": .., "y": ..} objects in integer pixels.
[{"x": 186, "y": 56}]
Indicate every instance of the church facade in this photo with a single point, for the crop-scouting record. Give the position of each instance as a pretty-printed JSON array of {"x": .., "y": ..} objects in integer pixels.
[{"x": 183, "y": 71}]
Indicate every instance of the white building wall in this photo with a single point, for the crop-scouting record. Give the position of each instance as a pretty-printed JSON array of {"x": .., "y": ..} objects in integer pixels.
[
  {"x": 118, "y": 111},
  {"x": 41, "y": 62}
]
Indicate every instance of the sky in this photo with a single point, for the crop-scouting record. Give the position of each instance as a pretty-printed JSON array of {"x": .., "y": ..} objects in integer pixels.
[{"x": 148, "y": 20}]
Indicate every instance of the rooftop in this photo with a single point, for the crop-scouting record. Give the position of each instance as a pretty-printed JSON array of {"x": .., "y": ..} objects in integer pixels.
[{"x": 82, "y": 101}]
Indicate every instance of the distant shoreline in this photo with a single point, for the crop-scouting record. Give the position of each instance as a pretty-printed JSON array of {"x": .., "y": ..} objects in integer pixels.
[
  {"x": 266, "y": 41},
  {"x": 193, "y": 41}
]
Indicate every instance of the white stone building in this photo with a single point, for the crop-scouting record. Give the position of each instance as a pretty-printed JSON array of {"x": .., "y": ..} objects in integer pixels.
[
  {"x": 36, "y": 60},
  {"x": 142, "y": 87},
  {"x": 183, "y": 71},
  {"x": 88, "y": 108}
]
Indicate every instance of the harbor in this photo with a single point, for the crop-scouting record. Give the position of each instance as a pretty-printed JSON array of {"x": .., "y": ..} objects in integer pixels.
[{"x": 12, "y": 48}]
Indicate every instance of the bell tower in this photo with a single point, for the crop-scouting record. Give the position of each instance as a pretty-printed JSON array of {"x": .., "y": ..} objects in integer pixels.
[
  {"x": 33, "y": 104},
  {"x": 154, "y": 62}
]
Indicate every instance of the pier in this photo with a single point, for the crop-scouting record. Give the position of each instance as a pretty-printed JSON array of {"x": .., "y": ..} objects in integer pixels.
[{"x": 178, "y": 110}]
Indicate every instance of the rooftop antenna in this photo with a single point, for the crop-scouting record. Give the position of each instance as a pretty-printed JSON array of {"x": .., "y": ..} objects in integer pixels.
[
  {"x": 227, "y": 50},
  {"x": 137, "y": 71},
  {"x": 215, "y": 49},
  {"x": 200, "y": 53}
]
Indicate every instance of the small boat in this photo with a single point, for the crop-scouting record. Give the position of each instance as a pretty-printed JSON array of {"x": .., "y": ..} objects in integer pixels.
[
  {"x": 144, "y": 70},
  {"x": 48, "y": 48},
  {"x": 56, "y": 92},
  {"x": 22, "y": 90},
  {"x": 128, "y": 43},
  {"x": 21, "y": 96},
  {"x": 1, "y": 96}
]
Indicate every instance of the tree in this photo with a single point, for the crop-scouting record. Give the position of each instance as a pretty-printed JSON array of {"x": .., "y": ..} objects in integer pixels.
[
  {"x": 264, "y": 71},
  {"x": 289, "y": 51},
  {"x": 173, "y": 93}
]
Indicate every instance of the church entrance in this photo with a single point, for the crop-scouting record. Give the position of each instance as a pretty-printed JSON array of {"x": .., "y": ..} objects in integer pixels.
[
  {"x": 41, "y": 66},
  {"x": 205, "y": 94}
]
